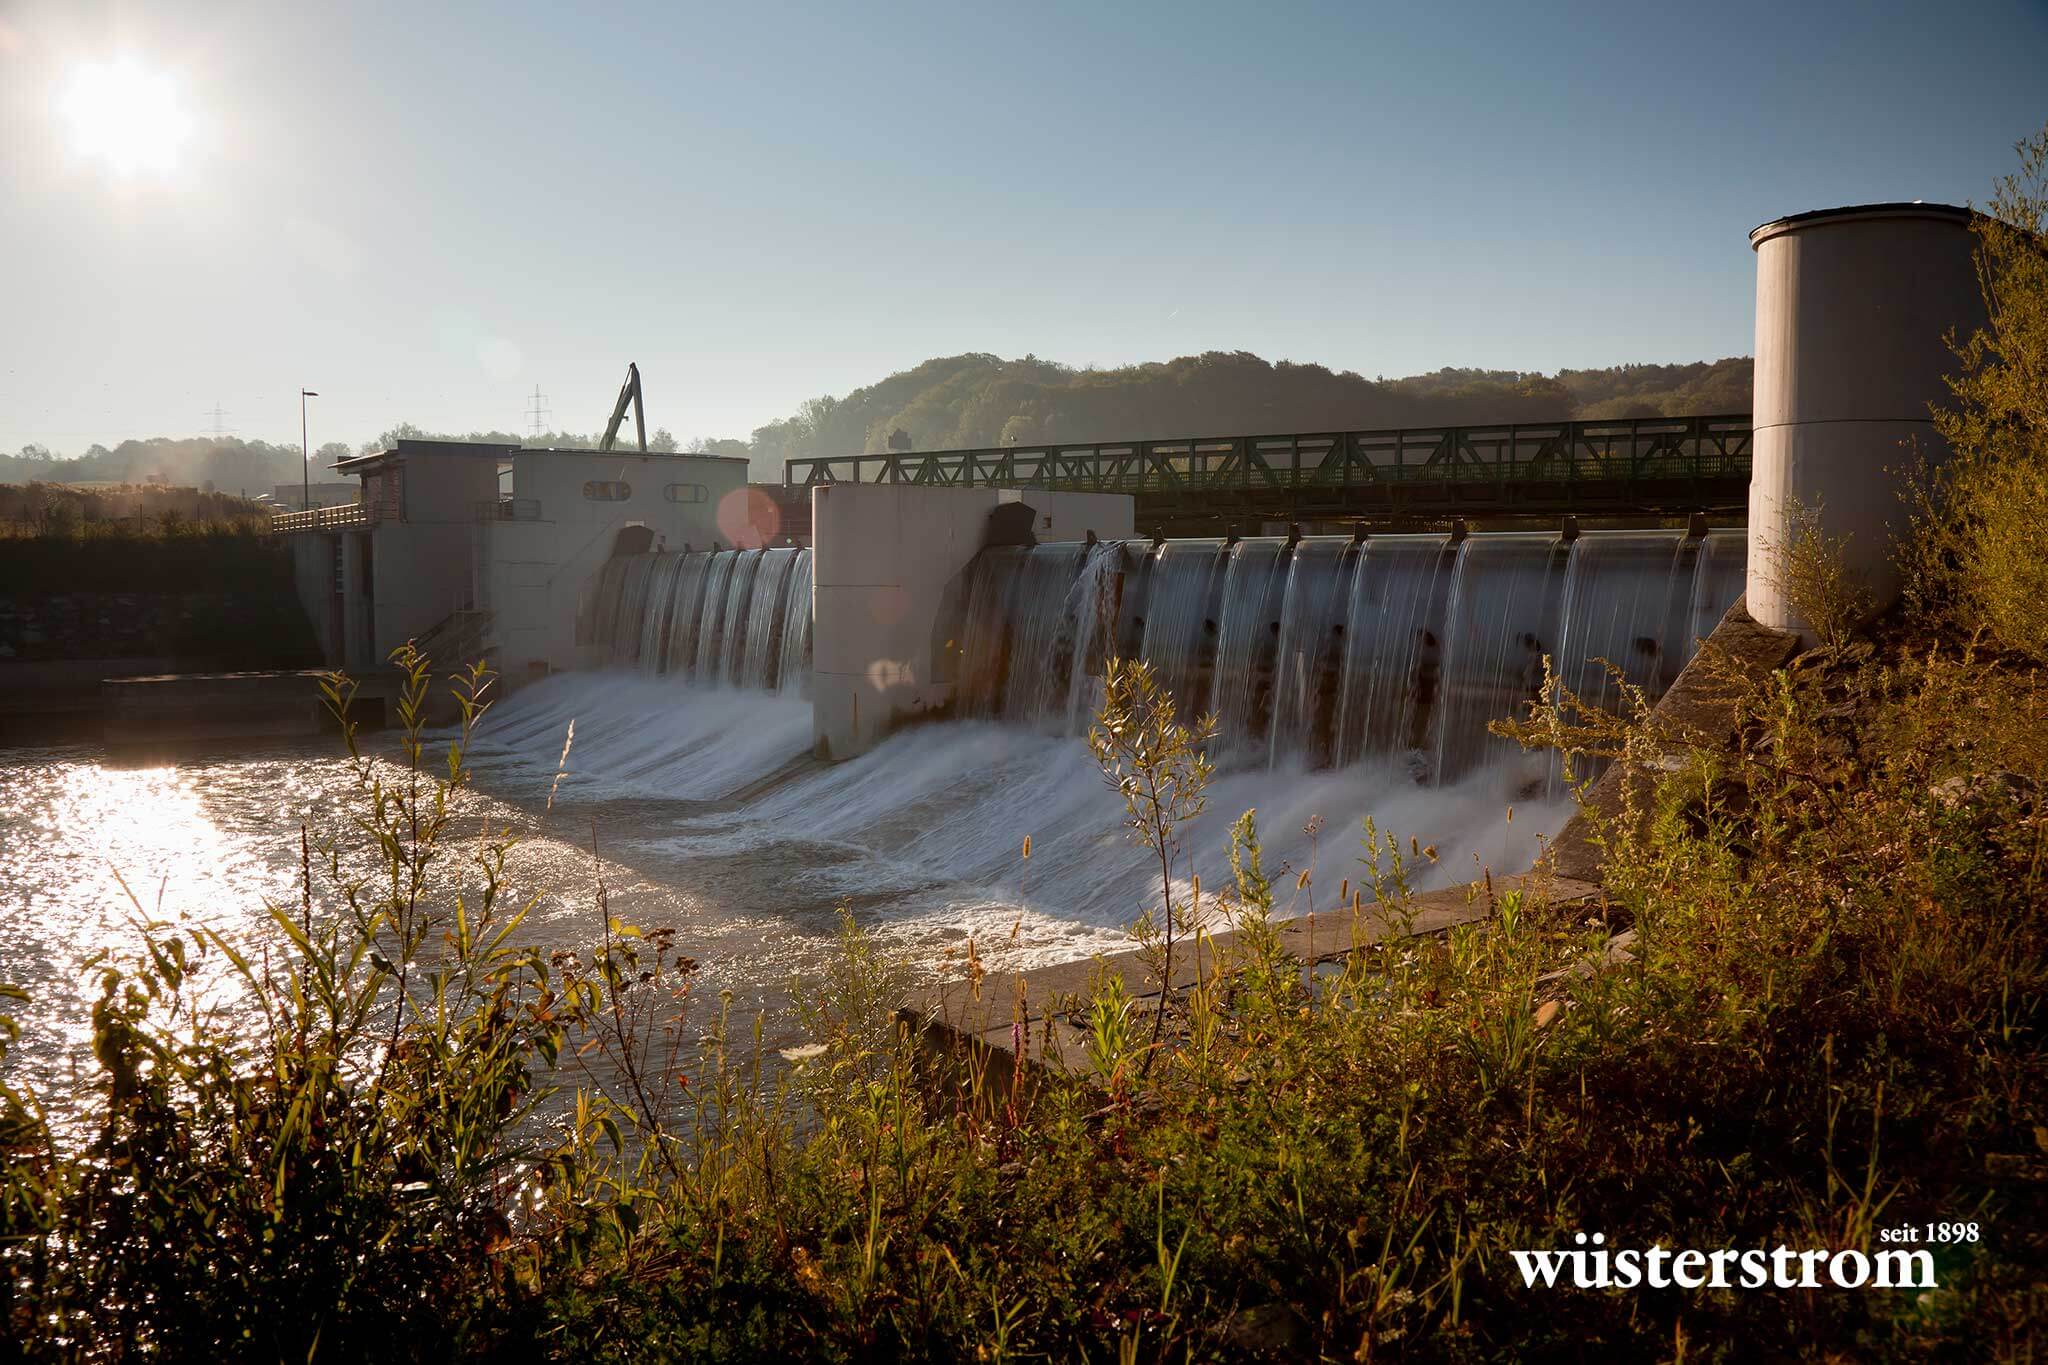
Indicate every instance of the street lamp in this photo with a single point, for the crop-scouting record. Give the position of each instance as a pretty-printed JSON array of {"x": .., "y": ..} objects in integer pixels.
[{"x": 305, "y": 452}]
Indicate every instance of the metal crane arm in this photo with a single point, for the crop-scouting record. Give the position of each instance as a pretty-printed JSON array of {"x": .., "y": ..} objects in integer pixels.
[{"x": 629, "y": 392}]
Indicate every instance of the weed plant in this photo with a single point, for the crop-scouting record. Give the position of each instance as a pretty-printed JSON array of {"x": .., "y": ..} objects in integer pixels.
[{"x": 440, "y": 1142}]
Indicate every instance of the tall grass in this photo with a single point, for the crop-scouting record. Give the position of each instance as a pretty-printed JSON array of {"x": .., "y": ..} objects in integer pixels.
[{"x": 1827, "y": 1024}]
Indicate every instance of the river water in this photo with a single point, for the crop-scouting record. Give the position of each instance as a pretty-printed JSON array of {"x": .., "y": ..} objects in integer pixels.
[{"x": 699, "y": 811}]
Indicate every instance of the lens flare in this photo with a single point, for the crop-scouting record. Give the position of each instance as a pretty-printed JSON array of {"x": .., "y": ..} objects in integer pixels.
[{"x": 125, "y": 117}]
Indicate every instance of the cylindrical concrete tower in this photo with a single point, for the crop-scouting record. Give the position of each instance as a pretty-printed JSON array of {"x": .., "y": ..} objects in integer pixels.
[{"x": 1852, "y": 306}]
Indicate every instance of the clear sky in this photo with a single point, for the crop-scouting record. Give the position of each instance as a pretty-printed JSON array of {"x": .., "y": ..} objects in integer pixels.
[{"x": 424, "y": 210}]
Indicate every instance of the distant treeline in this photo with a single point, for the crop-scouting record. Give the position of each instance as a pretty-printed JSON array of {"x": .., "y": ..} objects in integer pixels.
[
  {"x": 224, "y": 464},
  {"x": 980, "y": 400},
  {"x": 977, "y": 400},
  {"x": 231, "y": 466}
]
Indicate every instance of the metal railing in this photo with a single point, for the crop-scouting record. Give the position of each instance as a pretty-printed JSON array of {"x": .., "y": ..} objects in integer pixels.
[
  {"x": 322, "y": 518},
  {"x": 1630, "y": 450}
]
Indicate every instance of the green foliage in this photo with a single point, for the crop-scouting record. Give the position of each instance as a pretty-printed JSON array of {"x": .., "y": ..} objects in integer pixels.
[
  {"x": 125, "y": 512},
  {"x": 1158, "y": 766},
  {"x": 1980, "y": 553},
  {"x": 978, "y": 401},
  {"x": 335, "y": 1179},
  {"x": 1827, "y": 1023},
  {"x": 1813, "y": 575}
]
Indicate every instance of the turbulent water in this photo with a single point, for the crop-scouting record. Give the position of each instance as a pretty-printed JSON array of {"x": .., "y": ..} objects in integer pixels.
[
  {"x": 1331, "y": 652},
  {"x": 741, "y": 618},
  {"x": 1341, "y": 674}
]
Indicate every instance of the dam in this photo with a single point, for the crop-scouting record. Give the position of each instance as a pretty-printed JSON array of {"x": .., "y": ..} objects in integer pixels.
[
  {"x": 736, "y": 726},
  {"x": 1319, "y": 651}
]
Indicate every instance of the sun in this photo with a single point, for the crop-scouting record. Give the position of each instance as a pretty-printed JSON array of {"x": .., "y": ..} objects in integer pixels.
[{"x": 125, "y": 116}]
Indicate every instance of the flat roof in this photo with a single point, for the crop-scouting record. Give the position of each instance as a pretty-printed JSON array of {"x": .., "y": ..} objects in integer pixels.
[{"x": 1907, "y": 209}]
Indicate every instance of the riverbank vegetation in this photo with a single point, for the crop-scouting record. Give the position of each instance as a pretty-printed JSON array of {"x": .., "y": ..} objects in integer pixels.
[
  {"x": 58, "y": 511},
  {"x": 1824, "y": 1024},
  {"x": 1806, "y": 1011},
  {"x": 209, "y": 594}
]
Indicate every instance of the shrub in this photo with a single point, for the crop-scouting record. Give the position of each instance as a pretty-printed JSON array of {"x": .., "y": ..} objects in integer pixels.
[
  {"x": 338, "y": 1179},
  {"x": 1980, "y": 552}
]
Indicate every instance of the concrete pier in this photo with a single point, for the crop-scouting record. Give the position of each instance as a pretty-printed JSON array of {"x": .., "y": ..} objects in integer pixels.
[{"x": 889, "y": 561}]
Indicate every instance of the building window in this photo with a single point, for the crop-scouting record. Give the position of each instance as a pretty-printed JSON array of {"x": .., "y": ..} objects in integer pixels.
[
  {"x": 688, "y": 492},
  {"x": 608, "y": 490}
]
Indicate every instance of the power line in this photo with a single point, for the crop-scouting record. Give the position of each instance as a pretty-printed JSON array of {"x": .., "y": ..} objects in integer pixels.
[
  {"x": 217, "y": 413},
  {"x": 539, "y": 412}
]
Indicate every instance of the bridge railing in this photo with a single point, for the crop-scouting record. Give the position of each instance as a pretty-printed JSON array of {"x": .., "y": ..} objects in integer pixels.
[
  {"x": 1626, "y": 451},
  {"x": 322, "y": 518}
]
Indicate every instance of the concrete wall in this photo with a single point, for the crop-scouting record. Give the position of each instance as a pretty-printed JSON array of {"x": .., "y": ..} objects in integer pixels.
[
  {"x": 540, "y": 571},
  {"x": 419, "y": 575},
  {"x": 313, "y": 580},
  {"x": 886, "y": 559},
  {"x": 1851, "y": 309},
  {"x": 445, "y": 488}
]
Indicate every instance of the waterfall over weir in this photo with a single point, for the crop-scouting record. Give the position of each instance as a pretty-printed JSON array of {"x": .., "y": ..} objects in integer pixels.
[
  {"x": 740, "y": 618},
  {"x": 1350, "y": 679},
  {"x": 1328, "y": 652},
  {"x": 1322, "y": 653}
]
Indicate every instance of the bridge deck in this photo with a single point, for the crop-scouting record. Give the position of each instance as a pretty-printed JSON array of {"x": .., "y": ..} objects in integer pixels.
[{"x": 1642, "y": 465}]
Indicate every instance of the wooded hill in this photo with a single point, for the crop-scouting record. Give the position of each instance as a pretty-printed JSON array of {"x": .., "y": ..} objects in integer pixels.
[{"x": 980, "y": 400}]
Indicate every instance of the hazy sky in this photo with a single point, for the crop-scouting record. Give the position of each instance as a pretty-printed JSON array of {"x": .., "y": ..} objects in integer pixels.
[{"x": 423, "y": 210}]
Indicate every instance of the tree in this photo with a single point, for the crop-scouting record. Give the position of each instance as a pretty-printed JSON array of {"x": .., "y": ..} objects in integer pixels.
[
  {"x": 663, "y": 440},
  {"x": 1980, "y": 552},
  {"x": 1148, "y": 757}
]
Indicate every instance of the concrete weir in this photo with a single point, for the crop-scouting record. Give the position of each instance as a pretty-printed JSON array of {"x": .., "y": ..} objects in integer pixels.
[{"x": 889, "y": 577}]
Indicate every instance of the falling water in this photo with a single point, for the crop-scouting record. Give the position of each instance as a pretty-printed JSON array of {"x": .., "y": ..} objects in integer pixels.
[
  {"x": 761, "y": 645},
  {"x": 1093, "y": 605},
  {"x": 1393, "y": 659},
  {"x": 1309, "y": 661},
  {"x": 710, "y": 625},
  {"x": 738, "y": 614},
  {"x": 656, "y": 619},
  {"x": 793, "y": 669},
  {"x": 1248, "y": 640},
  {"x": 740, "y": 618},
  {"x": 625, "y": 644},
  {"x": 1181, "y": 606},
  {"x": 1501, "y": 621},
  {"x": 685, "y": 612},
  {"x": 1328, "y": 652},
  {"x": 1324, "y": 652}
]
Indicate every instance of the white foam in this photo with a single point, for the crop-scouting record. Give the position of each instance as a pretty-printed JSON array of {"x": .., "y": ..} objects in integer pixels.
[{"x": 641, "y": 736}]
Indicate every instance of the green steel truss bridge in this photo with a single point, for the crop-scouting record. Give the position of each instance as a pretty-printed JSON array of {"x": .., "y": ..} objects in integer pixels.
[{"x": 1636, "y": 467}]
